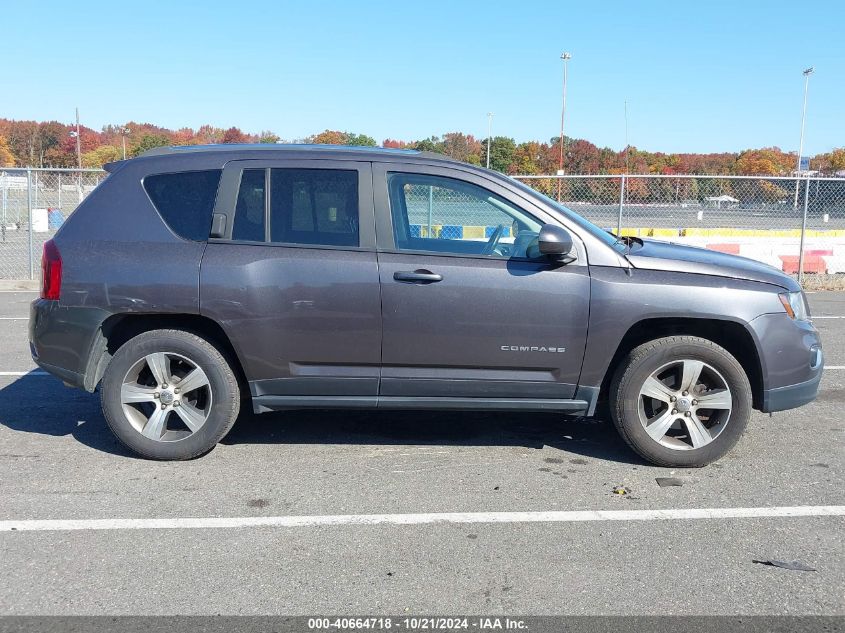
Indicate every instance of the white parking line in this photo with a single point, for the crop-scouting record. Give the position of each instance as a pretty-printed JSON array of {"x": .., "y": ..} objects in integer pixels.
[
  {"x": 827, "y": 317},
  {"x": 573, "y": 516},
  {"x": 14, "y": 318},
  {"x": 35, "y": 372}
]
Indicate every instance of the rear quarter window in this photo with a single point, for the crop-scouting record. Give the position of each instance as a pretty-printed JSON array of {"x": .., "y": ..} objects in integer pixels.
[{"x": 185, "y": 201}]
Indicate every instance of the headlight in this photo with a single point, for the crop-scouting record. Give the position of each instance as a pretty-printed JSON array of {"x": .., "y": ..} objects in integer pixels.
[{"x": 795, "y": 305}]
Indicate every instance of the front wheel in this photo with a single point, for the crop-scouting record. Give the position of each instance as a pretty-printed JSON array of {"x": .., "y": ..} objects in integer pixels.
[
  {"x": 681, "y": 401},
  {"x": 169, "y": 394}
]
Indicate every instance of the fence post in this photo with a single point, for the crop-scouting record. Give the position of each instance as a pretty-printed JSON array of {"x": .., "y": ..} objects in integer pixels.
[
  {"x": 430, "y": 208},
  {"x": 4, "y": 178},
  {"x": 29, "y": 209},
  {"x": 59, "y": 203},
  {"x": 621, "y": 203},
  {"x": 803, "y": 231}
]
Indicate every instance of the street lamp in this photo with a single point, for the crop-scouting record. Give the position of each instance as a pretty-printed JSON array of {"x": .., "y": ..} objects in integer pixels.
[
  {"x": 565, "y": 57},
  {"x": 489, "y": 134},
  {"x": 809, "y": 71},
  {"x": 75, "y": 135},
  {"x": 123, "y": 133}
]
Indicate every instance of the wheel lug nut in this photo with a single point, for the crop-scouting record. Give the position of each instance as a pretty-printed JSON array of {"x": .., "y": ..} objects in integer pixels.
[
  {"x": 156, "y": 395},
  {"x": 176, "y": 390},
  {"x": 175, "y": 403},
  {"x": 695, "y": 402},
  {"x": 163, "y": 406},
  {"x": 686, "y": 393},
  {"x": 672, "y": 398},
  {"x": 674, "y": 411},
  {"x": 164, "y": 386},
  {"x": 687, "y": 414}
]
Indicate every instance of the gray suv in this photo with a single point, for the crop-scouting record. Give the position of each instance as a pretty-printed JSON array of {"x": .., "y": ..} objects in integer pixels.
[{"x": 197, "y": 278}]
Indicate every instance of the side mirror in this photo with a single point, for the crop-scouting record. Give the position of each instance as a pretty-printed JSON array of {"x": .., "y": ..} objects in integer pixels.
[{"x": 555, "y": 242}]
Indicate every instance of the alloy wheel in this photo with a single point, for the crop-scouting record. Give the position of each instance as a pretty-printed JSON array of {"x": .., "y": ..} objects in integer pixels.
[
  {"x": 166, "y": 397},
  {"x": 685, "y": 404}
]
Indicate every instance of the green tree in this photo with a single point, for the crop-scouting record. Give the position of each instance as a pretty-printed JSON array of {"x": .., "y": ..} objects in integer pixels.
[
  {"x": 502, "y": 151},
  {"x": 148, "y": 141},
  {"x": 268, "y": 137},
  {"x": 361, "y": 140},
  {"x": 430, "y": 144}
]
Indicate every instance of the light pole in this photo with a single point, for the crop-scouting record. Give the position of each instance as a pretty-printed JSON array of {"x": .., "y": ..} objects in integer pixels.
[
  {"x": 489, "y": 134},
  {"x": 78, "y": 145},
  {"x": 565, "y": 57},
  {"x": 123, "y": 132},
  {"x": 75, "y": 134},
  {"x": 809, "y": 71}
]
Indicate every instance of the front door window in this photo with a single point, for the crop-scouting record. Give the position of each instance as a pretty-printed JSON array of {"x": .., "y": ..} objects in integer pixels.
[{"x": 449, "y": 216}]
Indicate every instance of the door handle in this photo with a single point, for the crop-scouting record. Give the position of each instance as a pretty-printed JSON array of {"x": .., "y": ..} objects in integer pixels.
[{"x": 420, "y": 276}]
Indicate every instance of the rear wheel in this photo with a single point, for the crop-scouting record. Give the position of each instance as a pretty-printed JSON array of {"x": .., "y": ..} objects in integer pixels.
[
  {"x": 681, "y": 401},
  {"x": 169, "y": 394}
]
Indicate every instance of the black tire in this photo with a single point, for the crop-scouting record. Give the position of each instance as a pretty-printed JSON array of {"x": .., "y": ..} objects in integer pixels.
[
  {"x": 648, "y": 358},
  {"x": 222, "y": 383}
]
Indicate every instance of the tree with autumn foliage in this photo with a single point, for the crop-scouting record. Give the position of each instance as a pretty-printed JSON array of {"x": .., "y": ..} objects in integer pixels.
[
  {"x": 52, "y": 144},
  {"x": 769, "y": 161},
  {"x": 831, "y": 162},
  {"x": 100, "y": 156},
  {"x": 234, "y": 135},
  {"x": 7, "y": 159}
]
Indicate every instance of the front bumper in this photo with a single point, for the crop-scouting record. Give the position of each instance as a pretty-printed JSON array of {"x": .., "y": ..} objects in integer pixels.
[
  {"x": 792, "y": 361},
  {"x": 791, "y": 396}
]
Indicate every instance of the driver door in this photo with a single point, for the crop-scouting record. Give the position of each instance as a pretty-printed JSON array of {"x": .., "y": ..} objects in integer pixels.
[{"x": 467, "y": 312}]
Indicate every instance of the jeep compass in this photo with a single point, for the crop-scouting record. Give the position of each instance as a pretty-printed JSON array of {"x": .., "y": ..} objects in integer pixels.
[{"x": 196, "y": 280}]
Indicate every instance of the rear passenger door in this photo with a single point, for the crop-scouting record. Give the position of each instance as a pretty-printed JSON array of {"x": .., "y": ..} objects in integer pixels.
[{"x": 293, "y": 279}]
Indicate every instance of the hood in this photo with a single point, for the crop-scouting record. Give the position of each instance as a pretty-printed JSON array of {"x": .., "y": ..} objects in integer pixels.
[{"x": 656, "y": 255}]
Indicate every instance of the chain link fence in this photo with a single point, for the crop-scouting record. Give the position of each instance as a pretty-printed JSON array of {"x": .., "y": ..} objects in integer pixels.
[
  {"x": 794, "y": 224},
  {"x": 33, "y": 205}
]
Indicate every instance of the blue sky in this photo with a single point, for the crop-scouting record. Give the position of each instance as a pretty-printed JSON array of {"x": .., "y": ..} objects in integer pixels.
[{"x": 698, "y": 76}]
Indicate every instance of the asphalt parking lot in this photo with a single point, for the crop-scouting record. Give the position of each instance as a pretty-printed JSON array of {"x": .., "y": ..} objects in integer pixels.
[{"x": 59, "y": 461}]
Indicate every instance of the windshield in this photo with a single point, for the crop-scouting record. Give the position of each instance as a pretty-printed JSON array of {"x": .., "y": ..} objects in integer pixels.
[{"x": 605, "y": 236}]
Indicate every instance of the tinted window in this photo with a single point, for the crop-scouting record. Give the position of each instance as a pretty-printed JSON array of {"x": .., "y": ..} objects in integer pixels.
[
  {"x": 249, "y": 212},
  {"x": 314, "y": 206},
  {"x": 185, "y": 200},
  {"x": 446, "y": 215}
]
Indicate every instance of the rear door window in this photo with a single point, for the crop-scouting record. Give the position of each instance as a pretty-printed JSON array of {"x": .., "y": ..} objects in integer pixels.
[
  {"x": 249, "y": 210},
  {"x": 185, "y": 201},
  {"x": 314, "y": 206}
]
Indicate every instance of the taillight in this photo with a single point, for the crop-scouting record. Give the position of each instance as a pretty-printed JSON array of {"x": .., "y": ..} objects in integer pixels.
[{"x": 51, "y": 272}]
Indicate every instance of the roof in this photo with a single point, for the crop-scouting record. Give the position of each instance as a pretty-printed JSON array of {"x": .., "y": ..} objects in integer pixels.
[
  {"x": 221, "y": 154},
  {"x": 278, "y": 147}
]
